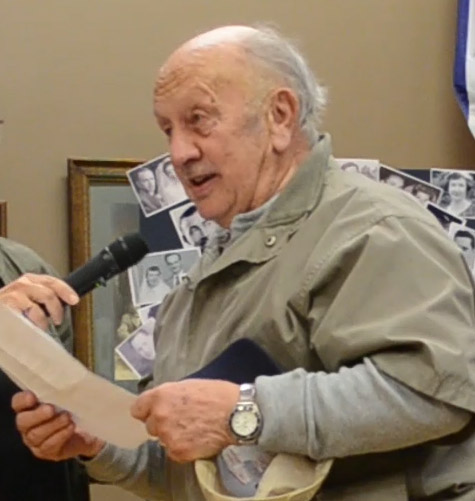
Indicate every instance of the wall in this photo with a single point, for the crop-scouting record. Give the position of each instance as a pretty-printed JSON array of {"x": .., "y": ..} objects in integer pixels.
[{"x": 76, "y": 81}]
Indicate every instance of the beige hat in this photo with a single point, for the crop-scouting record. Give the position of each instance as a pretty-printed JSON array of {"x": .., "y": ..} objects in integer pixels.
[{"x": 287, "y": 478}]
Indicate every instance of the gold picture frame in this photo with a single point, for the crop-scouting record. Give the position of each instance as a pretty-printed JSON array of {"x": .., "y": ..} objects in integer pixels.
[
  {"x": 3, "y": 218},
  {"x": 96, "y": 189}
]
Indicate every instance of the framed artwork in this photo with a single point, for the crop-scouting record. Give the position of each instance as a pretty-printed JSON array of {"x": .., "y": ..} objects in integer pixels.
[
  {"x": 3, "y": 218},
  {"x": 102, "y": 207}
]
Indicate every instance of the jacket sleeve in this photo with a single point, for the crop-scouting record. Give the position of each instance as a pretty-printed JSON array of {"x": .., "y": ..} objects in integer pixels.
[
  {"x": 400, "y": 294},
  {"x": 140, "y": 471}
]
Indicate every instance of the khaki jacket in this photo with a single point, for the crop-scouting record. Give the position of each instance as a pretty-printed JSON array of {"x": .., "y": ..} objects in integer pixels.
[{"x": 338, "y": 269}]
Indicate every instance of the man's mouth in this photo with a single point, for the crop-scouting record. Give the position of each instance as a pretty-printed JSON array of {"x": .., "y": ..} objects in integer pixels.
[{"x": 198, "y": 181}]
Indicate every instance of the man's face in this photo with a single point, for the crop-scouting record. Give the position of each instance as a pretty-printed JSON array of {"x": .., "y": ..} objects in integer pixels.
[
  {"x": 465, "y": 244},
  {"x": 196, "y": 235},
  {"x": 143, "y": 345},
  {"x": 396, "y": 181},
  {"x": 169, "y": 171},
  {"x": 422, "y": 196},
  {"x": 146, "y": 181},
  {"x": 152, "y": 277},
  {"x": 193, "y": 220},
  {"x": 218, "y": 143},
  {"x": 174, "y": 263}
]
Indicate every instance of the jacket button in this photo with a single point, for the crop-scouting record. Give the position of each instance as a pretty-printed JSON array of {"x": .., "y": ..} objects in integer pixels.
[{"x": 270, "y": 241}]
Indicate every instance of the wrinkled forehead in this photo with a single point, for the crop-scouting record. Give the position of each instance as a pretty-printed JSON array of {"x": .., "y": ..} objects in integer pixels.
[{"x": 203, "y": 72}]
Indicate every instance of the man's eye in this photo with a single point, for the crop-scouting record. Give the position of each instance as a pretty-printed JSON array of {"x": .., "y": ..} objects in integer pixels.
[{"x": 196, "y": 118}]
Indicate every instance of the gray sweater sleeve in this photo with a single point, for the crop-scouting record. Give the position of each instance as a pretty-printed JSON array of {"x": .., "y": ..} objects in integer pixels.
[
  {"x": 141, "y": 471},
  {"x": 354, "y": 411},
  {"x": 357, "y": 410}
]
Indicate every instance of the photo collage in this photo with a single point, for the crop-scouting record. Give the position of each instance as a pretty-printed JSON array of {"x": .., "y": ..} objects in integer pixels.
[
  {"x": 161, "y": 197},
  {"x": 449, "y": 194}
]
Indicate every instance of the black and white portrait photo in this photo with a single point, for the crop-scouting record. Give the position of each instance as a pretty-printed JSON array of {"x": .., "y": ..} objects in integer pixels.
[
  {"x": 369, "y": 167},
  {"x": 458, "y": 188},
  {"x": 138, "y": 350},
  {"x": 155, "y": 185},
  {"x": 445, "y": 218},
  {"x": 192, "y": 229},
  {"x": 169, "y": 187},
  {"x": 465, "y": 239},
  {"x": 147, "y": 282},
  {"x": 423, "y": 192},
  {"x": 158, "y": 273}
]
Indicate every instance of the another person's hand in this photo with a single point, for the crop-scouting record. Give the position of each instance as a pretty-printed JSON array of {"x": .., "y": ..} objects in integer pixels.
[
  {"x": 38, "y": 297},
  {"x": 50, "y": 434},
  {"x": 190, "y": 418}
]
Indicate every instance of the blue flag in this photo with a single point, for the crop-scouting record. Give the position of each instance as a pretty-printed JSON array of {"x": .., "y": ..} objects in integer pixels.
[{"x": 464, "y": 68}]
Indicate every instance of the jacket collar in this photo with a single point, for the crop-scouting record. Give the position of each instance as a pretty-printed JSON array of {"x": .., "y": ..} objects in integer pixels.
[
  {"x": 303, "y": 192},
  {"x": 264, "y": 240}
]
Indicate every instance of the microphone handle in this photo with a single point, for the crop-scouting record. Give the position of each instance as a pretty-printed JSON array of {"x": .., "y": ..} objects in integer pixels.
[{"x": 94, "y": 273}]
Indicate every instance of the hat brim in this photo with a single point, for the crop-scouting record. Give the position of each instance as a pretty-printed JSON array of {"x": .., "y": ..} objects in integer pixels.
[{"x": 288, "y": 478}]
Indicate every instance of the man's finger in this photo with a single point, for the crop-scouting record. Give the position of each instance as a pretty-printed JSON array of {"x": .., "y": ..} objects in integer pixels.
[
  {"x": 24, "y": 400},
  {"x": 60, "y": 288},
  {"x": 38, "y": 435},
  {"x": 32, "y": 418},
  {"x": 36, "y": 314},
  {"x": 142, "y": 406},
  {"x": 52, "y": 447}
]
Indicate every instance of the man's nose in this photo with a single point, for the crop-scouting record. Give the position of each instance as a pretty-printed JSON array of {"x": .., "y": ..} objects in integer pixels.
[{"x": 183, "y": 148}]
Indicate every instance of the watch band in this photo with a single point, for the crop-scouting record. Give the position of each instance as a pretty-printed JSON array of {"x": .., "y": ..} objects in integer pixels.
[
  {"x": 247, "y": 392},
  {"x": 246, "y": 405}
]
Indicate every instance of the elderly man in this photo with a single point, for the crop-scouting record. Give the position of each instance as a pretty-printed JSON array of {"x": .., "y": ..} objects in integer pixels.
[{"x": 351, "y": 287}]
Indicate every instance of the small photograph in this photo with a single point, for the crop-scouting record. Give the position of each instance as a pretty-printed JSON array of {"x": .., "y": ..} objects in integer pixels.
[
  {"x": 158, "y": 273},
  {"x": 147, "y": 312},
  {"x": 138, "y": 350},
  {"x": 423, "y": 192},
  {"x": 369, "y": 167},
  {"x": 445, "y": 218},
  {"x": 458, "y": 191},
  {"x": 465, "y": 239},
  {"x": 192, "y": 229},
  {"x": 156, "y": 185},
  {"x": 129, "y": 322}
]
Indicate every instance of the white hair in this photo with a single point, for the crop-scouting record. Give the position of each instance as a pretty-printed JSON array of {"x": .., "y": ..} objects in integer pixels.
[{"x": 274, "y": 52}]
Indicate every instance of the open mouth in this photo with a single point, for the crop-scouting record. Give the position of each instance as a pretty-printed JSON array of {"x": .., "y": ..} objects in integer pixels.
[{"x": 200, "y": 180}]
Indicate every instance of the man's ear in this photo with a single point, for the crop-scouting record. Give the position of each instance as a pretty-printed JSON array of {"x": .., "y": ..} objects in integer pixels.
[{"x": 283, "y": 117}]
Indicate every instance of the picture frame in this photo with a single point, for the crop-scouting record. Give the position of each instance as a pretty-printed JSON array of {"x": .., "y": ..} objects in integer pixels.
[
  {"x": 101, "y": 207},
  {"x": 3, "y": 218}
]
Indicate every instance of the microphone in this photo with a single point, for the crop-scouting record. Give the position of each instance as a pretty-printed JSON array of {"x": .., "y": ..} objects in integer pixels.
[{"x": 113, "y": 259}]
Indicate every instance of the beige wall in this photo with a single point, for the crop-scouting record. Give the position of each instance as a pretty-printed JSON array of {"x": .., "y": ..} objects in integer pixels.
[{"x": 76, "y": 80}]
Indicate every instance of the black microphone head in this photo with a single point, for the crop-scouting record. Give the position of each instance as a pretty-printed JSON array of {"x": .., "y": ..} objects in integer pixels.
[{"x": 128, "y": 250}]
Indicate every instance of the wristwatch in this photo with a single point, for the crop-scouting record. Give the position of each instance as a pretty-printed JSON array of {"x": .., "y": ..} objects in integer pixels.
[{"x": 245, "y": 421}]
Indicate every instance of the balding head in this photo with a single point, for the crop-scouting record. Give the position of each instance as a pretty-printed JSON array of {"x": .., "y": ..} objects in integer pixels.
[
  {"x": 235, "y": 105},
  {"x": 273, "y": 60}
]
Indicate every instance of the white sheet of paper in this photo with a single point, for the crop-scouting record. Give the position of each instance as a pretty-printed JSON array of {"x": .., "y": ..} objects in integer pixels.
[{"x": 38, "y": 363}]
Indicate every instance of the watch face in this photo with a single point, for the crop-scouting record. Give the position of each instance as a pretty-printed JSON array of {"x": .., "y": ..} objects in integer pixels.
[{"x": 244, "y": 423}]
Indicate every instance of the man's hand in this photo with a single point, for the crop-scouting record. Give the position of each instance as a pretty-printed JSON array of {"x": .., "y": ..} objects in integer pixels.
[
  {"x": 38, "y": 297},
  {"x": 50, "y": 434},
  {"x": 190, "y": 418}
]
